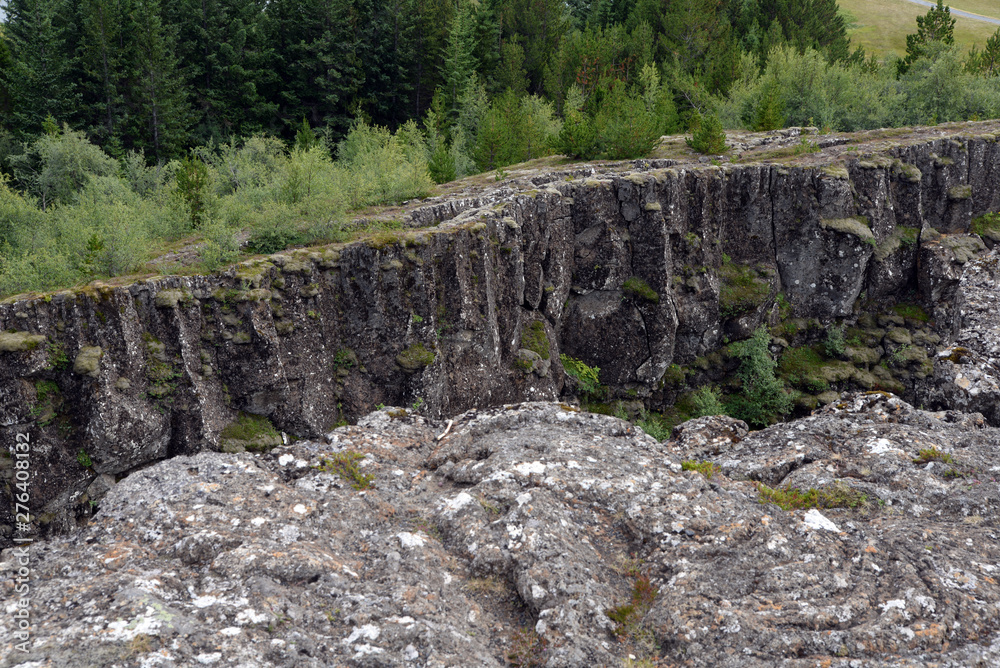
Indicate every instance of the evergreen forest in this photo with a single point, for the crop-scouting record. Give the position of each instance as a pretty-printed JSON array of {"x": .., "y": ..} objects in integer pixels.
[{"x": 133, "y": 128}]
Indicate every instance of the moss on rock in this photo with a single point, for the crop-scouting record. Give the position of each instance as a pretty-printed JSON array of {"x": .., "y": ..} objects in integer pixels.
[
  {"x": 88, "y": 361},
  {"x": 414, "y": 358},
  {"x": 14, "y": 342},
  {"x": 857, "y": 225},
  {"x": 534, "y": 338}
]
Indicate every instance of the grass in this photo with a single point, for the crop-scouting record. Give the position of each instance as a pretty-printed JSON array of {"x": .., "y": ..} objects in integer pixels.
[
  {"x": 792, "y": 498},
  {"x": 707, "y": 469},
  {"x": 345, "y": 465},
  {"x": 882, "y": 25},
  {"x": 639, "y": 289},
  {"x": 249, "y": 427},
  {"x": 527, "y": 649},
  {"x": 629, "y": 615},
  {"x": 933, "y": 455}
]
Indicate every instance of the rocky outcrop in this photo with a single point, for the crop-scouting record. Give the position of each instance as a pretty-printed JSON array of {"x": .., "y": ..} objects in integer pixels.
[
  {"x": 535, "y": 534},
  {"x": 629, "y": 267}
]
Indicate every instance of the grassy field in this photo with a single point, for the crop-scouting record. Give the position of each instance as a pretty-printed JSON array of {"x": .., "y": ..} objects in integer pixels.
[{"x": 882, "y": 25}]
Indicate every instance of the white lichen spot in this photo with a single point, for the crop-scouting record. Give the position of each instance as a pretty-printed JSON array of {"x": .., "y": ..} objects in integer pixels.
[
  {"x": 231, "y": 631},
  {"x": 258, "y": 521},
  {"x": 285, "y": 460},
  {"x": 250, "y": 616},
  {"x": 208, "y": 659},
  {"x": 881, "y": 446},
  {"x": 411, "y": 540},
  {"x": 455, "y": 504},
  {"x": 815, "y": 520},
  {"x": 300, "y": 509},
  {"x": 523, "y": 498},
  {"x": 366, "y": 632},
  {"x": 527, "y": 468},
  {"x": 204, "y": 601}
]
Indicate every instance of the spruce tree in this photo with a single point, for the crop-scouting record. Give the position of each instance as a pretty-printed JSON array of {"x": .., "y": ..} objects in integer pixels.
[
  {"x": 317, "y": 73},
  {"x": 935, "y": 26},
  {"x": 104, "y": 61},
  {"x": 161, "y": 112},
  {"x": 226, "y": 64},
  {"x": 459, "y": 60},
  {"x": 38, "y": 79}
]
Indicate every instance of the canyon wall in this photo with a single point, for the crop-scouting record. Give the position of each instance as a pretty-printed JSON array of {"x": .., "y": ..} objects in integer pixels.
[{"x": 630, "y": 269}]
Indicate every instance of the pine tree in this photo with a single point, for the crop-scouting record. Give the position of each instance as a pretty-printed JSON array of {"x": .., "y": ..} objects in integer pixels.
[
  {"x": 538, "y": 26},
  {"x": 935, "y": 26},
  {"x": 39, "y": 78},
  {"x": 161, "y": 112},
  {"x": 459, "y": 56},
  {"x": 316, "y": 69},
  {"x": 226, "y": 64},
  {"x": 430, "y": 34},
  {"x": 104, "y": 60},
  {"x": 385, "y": 50},
  {"x": 986, "y": 62}
]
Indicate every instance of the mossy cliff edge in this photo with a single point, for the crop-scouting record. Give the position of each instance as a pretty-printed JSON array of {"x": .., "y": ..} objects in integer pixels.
[{"x": 632, "y": 268}]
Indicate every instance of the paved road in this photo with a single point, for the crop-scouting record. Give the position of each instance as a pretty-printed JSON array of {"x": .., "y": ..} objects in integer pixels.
[{"x": 958, "y": 12}]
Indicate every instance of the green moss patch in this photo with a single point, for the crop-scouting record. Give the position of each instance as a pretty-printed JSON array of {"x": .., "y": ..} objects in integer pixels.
[
  {"x": 793, "y": 498},
  {"x": 15, "y": 342},
  {"x": 249, "y": 432},
  {"x": 857, "y": 226},
  {"x": 88, "y": 361},
  {"x": 636, "y": 288},
  {"x": 742, "y": 290},
  {"x": 803, "y": 368},
  {"x": 414, "y": 358},
  {"x": 534, "y": 338}
]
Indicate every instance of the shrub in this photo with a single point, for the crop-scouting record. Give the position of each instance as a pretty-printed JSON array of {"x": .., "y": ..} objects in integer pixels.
[
  {"x": 654, "y": 425},
  {"x": 708, "y": 136},
  {"x": 345, "y": 465},
  {"x": 834, "y": 345},
  {"x": 705, "y": 401},
  {"x": 587, "y": 379},
  {"x": 192, "y": 187},
  {"x": 763, "y": 398}
]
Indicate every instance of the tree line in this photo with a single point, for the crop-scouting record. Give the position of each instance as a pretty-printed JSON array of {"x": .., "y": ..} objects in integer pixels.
[{"x": 128, "y": 125}]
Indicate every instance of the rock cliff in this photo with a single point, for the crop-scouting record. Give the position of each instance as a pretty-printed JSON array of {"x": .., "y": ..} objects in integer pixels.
[{"x": 631, "y": 267}]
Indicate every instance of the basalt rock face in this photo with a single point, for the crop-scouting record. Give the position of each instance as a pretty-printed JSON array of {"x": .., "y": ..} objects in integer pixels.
[
  {"x": 630, "y": 267},
  {"x": 535, "y": 534}
]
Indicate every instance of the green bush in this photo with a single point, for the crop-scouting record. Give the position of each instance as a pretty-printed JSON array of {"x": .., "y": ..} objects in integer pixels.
[
  {"x": 834, "y": 344},
  {"x": 763, "y": 399},
  {"x": 708, "y": 136},
  {"x": 705, "y": 401},
  {"x": 587, "y": 377}
]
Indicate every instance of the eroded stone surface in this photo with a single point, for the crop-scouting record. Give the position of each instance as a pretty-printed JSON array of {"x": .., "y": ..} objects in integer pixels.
[{"x": 542, "y": 517}]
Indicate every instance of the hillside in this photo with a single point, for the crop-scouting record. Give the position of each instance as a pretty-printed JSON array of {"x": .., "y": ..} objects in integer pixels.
[{"x": 881, "y": 26}]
